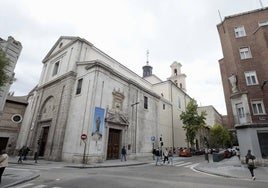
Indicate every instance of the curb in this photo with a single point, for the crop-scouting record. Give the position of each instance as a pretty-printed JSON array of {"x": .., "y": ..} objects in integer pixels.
[{"x": 107, "y": 166}]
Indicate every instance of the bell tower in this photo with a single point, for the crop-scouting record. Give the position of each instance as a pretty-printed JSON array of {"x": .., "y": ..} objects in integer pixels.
[{"x": 176, "y": 76}]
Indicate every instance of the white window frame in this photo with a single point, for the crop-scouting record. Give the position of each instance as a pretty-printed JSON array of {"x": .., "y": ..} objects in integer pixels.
[
  {"x": 245, "y": 53},
  {"x": 239, "y": 32},
  {"x": 251, "y": 78},
  {"x": 258, "y": 107},
  {"x": 263, "y": 23}
]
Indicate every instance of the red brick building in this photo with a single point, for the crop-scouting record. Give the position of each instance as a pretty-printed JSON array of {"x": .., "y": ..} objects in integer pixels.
[{"x": 244, "y": 72}]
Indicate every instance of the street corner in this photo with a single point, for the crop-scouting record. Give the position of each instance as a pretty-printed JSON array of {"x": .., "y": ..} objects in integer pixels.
[{"x": 14, "y": 176}]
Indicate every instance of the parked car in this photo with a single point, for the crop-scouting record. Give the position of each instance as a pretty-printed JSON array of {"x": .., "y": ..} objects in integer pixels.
[
  {"x": 198, "y": 152},
  {"x": 185, "y": 153}
]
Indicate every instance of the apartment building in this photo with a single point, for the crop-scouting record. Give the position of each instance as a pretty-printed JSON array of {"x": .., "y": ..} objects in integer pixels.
[
  {"x": 12, "y": 49},
  {"x": 244, "y": 67}
]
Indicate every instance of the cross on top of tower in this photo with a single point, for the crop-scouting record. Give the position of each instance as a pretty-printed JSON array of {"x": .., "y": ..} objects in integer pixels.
[{"x": 147, "y": 55}]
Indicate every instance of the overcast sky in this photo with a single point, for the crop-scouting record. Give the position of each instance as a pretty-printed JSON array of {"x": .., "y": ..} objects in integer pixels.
[{"x": 172, "y": 30}]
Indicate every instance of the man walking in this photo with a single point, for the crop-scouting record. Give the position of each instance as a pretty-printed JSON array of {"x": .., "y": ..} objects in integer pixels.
[
  {"x": 157, "y": 154},
  {"x": 123, "y": 154}
]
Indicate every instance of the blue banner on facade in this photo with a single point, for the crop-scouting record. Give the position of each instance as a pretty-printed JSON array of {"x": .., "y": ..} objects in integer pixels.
[{"x": 98, "y": 123}]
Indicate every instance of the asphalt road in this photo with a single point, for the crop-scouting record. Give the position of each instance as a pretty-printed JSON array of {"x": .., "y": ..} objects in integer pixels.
[{"x": 145, "y": 176}]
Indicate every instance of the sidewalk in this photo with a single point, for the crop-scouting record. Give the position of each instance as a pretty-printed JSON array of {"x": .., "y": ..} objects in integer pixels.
[{"x": 231, "y": 168}]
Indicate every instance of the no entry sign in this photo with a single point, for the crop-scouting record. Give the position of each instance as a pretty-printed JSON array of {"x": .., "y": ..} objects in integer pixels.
[{"x": 83, "y": 136}]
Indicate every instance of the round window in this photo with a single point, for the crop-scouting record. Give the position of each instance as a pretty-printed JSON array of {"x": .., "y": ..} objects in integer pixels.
[{"x": 16, "y": 118}]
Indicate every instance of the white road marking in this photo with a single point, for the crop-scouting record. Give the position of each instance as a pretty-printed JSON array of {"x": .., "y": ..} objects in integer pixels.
[{"x": 184, "y": 164}]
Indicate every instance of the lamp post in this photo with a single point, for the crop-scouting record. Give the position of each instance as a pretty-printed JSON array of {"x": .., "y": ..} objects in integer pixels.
[
  {"x": 264, "y": 82},
  {"x": 135, "y": 131},
  {"x": 161, "y": 143}
]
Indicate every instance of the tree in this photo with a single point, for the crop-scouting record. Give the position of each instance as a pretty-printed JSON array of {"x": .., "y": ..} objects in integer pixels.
[
  {"x": 220, "y": 136},
  {"x": 192, "y": 121},
  {"x": 4, "y": 78}
]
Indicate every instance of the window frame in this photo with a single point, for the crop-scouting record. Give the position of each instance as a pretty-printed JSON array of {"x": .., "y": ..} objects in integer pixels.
[
  {"x": 249, "y": 75},
  {"x": 145, "y": 102},
  {"x": 179, "y": 102},
  {"x": 240, "y": 31},
  {"x": 257, "y": 104},
  {"x": 56, "y": 68},
  {"x": 79, "y": 86},
  {"x": 245, "y": 53}
]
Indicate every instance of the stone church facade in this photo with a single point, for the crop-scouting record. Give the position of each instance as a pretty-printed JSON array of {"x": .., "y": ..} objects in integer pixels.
[{"x": 82, "y": 90}]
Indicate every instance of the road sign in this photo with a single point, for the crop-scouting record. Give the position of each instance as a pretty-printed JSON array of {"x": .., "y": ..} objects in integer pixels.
[
  {"x": 83, "y": 136},
  {"x": 153, "y": 138}
]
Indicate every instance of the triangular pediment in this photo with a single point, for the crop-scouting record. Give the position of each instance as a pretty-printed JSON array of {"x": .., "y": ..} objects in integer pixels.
[
  {"x": 62, "y": 43},
  {"x": 117, "y": 118}
]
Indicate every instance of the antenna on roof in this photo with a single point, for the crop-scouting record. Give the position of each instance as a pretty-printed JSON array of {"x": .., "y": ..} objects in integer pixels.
[
  {"x": 261, "y": 4},
  {"x": 221, "y": 21}
]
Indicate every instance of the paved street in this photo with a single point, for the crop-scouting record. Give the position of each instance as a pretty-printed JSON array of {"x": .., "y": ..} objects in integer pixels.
[{"x": 182, "y": 174}]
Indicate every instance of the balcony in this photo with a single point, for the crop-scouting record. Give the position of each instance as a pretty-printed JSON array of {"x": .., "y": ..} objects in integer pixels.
[{"x": 242, "y": 119}]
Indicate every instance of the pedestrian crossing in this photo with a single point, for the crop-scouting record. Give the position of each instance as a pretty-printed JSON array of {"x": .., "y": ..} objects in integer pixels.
[
  {"x": 181, "y": 164},
  {"x": 32, "y": 185},
  {"x": 49, "y": 167}
]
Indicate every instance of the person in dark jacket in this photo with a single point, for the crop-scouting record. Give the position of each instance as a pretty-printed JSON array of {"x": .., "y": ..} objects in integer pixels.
[
  {"x": 250, "y": 162},
  {"x": 157, "y": 154},
  {"x": 123, "y": 153}
]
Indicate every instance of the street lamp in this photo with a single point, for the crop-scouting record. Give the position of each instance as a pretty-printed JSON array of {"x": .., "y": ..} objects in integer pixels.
[
  {"x": 264, "y": 82},
  {"x": 135, "y": 131},
  {"x": 161, "y": 144}
]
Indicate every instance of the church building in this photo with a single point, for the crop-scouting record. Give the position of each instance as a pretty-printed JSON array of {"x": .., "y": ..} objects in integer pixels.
[{"x": 87, "y": 106}]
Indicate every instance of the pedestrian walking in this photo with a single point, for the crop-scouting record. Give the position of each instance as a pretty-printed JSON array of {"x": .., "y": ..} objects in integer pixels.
[
  {"x": 3, "y": 163},
  {"x": 25, "y": 153},
  {"x": 238, "y": 153},
  {"x": 35, "y": 156},
  {"x": 250, "y": 162},
  {"x": 21, "y": 152},
  {"x": 123, "y": 154},
  {"x": 170, "y": 157},
  {"x": 157, "y": 154},
  {"x": 165, "y": 156}
]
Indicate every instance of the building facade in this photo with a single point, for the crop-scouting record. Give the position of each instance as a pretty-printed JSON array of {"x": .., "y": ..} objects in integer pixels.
[
  {"x": 12, "y": 49},
  {"x": 88, "y": 103},
  {"x": 244, "y": 69},
  {"x": 11, "y": 121}
]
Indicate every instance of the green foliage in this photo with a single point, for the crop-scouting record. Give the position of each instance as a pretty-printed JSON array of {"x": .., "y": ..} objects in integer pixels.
[
  {"x": 192, "y": 121},
  {"x": 220, "y": 136},
  {"x": 4, "y": 78}
]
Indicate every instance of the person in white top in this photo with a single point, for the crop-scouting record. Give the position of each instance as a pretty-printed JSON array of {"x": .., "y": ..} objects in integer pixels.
[{"x": 3, "y": 162}]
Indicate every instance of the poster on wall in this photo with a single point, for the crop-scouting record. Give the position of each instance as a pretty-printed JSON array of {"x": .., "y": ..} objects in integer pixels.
[{"x": 98, "y": 123}]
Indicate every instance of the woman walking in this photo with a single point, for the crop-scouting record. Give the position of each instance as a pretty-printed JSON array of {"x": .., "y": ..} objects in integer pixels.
[{"x": 250, "y": 162}]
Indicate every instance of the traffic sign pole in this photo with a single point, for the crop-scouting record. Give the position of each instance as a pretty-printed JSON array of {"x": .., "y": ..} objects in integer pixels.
[{"x": 84, "y": 138}]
